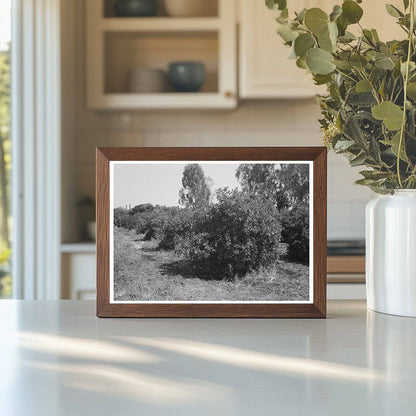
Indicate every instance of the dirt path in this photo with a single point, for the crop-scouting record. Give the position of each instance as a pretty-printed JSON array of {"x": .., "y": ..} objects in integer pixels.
[{"x": 137, "y": 243}]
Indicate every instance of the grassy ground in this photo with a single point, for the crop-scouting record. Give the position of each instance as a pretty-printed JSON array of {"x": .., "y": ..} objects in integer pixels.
[{"x": 141, "y": 272}]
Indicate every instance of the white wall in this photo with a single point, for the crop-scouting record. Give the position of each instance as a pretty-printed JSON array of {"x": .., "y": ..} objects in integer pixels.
[{"x": 266, "y": 123}]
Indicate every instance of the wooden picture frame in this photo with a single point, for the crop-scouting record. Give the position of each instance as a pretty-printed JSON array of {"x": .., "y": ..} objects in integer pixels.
[{"x": 314, "y": 308}]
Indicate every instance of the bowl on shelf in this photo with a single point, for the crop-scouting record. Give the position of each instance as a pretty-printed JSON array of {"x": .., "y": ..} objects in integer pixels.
[
  {"x": 191, "y": 8},
  {"x": 135, "y": 8},
  {"x": 186, "y": 76},
  {"x": 147, "y": 80}
]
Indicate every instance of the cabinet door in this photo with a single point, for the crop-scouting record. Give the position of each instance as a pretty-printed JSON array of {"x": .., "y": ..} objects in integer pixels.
[
  {"x": 265, "y": 68},
  {"x": 78, "y": 276}
]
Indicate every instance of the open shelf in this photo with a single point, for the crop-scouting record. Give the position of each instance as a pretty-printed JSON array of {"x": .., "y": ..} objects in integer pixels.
[
  {"x": 80, "y": 247},
  {"x": 116, "y": 46},
  {"x": 130, "y": 101},
  {"x": 127, "y": 51},
  {"x": 160, "y": 24}
]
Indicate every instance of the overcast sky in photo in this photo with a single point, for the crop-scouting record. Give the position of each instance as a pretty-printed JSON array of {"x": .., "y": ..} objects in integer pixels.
[{"x": 159, "y": 184}]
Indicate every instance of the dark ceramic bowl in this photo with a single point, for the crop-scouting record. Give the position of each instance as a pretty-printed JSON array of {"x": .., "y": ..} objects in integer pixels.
[
  {"x": 186, "y": 76},
  {"x": 135, "y": 8}
]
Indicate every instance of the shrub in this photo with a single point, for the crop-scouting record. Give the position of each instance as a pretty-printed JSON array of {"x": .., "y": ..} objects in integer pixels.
[
  {"x": 295, "y": 233},
  {"x": 165, "y": 224},
  {"x": 176, "y": 223},
  {"x": 138, "y": 209},
  {"x": 147, "y": 223},
  {"x": 123, "y": 219},
  {"x": 238, "y": 234}
]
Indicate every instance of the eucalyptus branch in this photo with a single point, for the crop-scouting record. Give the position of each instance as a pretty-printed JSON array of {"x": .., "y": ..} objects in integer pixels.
[
  {"x": 406, "y": 80},
  {"x": 375, "y": 118},
  {"x": 346, "y": 75},
  {"x": 373, "y": 89},
  {"x": 404, "y": 29},
  {"x": 369, "y": 41}
]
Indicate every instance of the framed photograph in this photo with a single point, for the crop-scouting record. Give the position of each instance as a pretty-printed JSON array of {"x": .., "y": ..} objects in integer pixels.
[{"x": 211, "y": 232}]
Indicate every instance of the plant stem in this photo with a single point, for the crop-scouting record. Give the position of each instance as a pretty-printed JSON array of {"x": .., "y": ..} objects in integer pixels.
[
  {"x": 369, "y": 41},
  {"x": 373, "y": 89},
  {"x": 406, "y": 80},
  {"x": 392, "y": 90},
  {"x": 346, "y": 75}
]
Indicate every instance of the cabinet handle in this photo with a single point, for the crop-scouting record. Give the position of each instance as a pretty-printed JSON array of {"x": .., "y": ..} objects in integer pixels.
[{"x": 228, "y": 94}]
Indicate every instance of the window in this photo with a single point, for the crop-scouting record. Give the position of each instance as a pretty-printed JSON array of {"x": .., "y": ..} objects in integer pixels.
[{"x": 5, "y": 145}]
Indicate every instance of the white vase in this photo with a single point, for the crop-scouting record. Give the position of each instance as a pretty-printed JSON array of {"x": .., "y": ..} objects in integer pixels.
[{"x": 391, "y": 253}]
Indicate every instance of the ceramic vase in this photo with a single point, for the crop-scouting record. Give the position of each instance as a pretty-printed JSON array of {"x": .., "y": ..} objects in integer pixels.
[{"x": 391, "y": 253}]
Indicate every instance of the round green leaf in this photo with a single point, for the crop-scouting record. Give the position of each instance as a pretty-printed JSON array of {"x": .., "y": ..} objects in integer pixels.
[
  {"x": 327, "y": 40},
  {"x": 301, "y": 63},
  {"x": 336, "y": 12},
  {"x": 403, "y": 66},
  {"x": 351, "y": 11},
  {"x": 333, "y": 32},
  {"x": 342, "y": 64},
  {"x": 411, "y": 90},
  {"x": 319, "y": 61},
  {"x": 324, "y": 42},
  {"x": 391, "y": 114},
  {"x": 286, "y": 32},
  {"x": 342, "y": 25},
  {"x": 276, "y": 4},
  {"x": 347, "y": 37},
  {"x": 363, "y": 86},
  {"x": 385, "y": 63},
  {"x": 300, "y": 16},
  {"x": 316, "y": 20},
  {"x": 303, "y": 43},
  {"x": 358, "y": 61}
]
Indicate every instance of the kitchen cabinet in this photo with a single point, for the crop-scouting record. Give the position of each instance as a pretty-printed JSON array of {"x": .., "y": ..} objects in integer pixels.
[
  {"x": 118, "y": 45},
  {"x": 265, "y": 70},
  {"x": 78, "y": 263},
  {"x": 346, "y": 278}
]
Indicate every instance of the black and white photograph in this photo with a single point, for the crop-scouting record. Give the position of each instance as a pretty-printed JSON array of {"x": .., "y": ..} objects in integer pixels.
[{"x": 223, "y": 231}]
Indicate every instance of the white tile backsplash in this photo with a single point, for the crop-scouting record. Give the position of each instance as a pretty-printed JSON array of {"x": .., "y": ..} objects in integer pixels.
[
  {"x": 346, "y": 219},
  {"x": 271, "y": 123}
]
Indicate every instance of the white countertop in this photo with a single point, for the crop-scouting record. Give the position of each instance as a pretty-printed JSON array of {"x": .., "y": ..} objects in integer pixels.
[{"x": 57, "y": 359}]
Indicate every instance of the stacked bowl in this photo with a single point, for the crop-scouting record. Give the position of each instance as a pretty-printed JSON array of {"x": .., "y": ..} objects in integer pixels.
[{"x": 147, "y": 80}]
